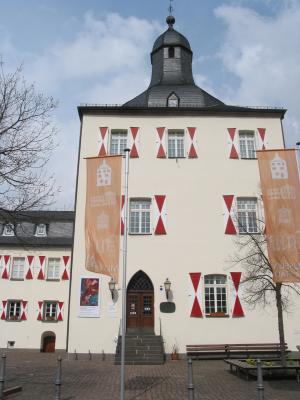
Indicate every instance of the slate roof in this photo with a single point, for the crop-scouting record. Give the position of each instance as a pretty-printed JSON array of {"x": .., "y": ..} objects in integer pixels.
[
  {"x": 59, "y": 226},
  {"x": 171, "y": 38}
]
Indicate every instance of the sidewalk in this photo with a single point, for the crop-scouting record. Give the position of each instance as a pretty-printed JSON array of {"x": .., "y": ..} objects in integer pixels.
[{"x": 99, "y": 380}]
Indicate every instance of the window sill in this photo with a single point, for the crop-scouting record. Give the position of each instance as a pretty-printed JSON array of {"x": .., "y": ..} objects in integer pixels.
[
  {"x": 176, "y": 158},
  {"x": 217, "y": 315},
  {"x": 248, "y": 158},
  {"x": 139, "y": 234},
  {"x": 13, "y": 319},
  {"x": 53, "y": 280},
  {"x": 17, "y": 279},
  {"x": 49, "y": 320}
]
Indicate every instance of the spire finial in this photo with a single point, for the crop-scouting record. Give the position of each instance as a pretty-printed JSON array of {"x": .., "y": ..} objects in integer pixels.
[{"x": 170, "y": 19}]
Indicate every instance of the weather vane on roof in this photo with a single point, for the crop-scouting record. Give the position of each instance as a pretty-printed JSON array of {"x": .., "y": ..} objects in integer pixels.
[{"x": 171, "y": 9}]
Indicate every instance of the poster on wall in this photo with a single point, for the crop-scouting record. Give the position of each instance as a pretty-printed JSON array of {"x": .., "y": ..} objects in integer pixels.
[{"x": 89, "y": 301}]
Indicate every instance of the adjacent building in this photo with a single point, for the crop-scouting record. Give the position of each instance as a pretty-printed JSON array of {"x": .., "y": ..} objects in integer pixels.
[{"x": 35, "y": 258}]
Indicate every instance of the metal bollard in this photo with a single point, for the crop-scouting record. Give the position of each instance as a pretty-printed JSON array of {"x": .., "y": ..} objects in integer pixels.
[
  {"x": 260, "y": 383},
  {"x": 103, "y": 355},
  {"x": 57, "y": 381},
  {"x": 90, "y": 355},
  {"x": 76, "y": 355},
  {"x": 2, "y": 375},
  {"x": 190, "y": 380}
]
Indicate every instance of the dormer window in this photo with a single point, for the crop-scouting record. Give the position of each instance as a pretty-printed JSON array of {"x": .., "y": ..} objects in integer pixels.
[
  {"x": 8, "y": 230},
  {"x": 171, "y": 52},
  {"x": 173, "y": 100},
  {"x": 41, "y": 230}
]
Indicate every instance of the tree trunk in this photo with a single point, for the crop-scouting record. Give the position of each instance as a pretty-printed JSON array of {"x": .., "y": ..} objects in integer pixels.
[{"x": 280, "y": 324}]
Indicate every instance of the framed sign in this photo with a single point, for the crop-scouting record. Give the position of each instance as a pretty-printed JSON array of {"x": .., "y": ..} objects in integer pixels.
[{"x": 89, "y": 301}]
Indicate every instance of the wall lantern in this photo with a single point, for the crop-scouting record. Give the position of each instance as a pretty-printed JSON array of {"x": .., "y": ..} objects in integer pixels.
[
  {"x": 112, "y": 286},
  {"x": 167, "y": 285}
]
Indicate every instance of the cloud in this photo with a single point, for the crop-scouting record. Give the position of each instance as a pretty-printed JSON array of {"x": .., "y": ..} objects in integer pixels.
[
  {"x": 264, "y": 54},
  {"x": 104, "y": 48}
]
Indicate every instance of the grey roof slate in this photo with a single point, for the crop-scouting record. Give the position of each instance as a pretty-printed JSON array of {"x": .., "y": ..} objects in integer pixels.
[{"x": 59, "y": 226}]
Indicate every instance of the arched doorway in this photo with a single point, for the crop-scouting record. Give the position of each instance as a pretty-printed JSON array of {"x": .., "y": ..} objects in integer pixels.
[
  {"x": 48, "y": 342},
  {"x": 140, "y": 303}
]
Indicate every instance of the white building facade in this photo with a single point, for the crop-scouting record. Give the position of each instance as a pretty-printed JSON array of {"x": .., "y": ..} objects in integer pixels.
[
  {"x": 35, "y": 259},
  {"x": 193, "y": 169}
]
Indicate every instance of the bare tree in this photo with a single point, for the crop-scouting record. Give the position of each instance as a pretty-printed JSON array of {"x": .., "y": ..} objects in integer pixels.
[
  {"x": 26, "y": 143},
  {"x": 259, "y": 288}
]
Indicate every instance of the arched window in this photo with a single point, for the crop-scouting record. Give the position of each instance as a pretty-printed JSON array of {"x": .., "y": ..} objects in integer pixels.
[
  {"x": 173, "y": 100},
  {"x": 171, "y": 52},
  {"x": 215, "y": 287}
]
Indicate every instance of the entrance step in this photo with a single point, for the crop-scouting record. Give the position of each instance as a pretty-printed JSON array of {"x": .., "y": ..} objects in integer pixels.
[{"x": 141, "y": 349}]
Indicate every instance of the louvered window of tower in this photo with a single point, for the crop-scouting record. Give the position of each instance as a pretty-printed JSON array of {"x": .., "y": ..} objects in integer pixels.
[
  {"x": 173, "y": 100},
  {"x": 171, "y": 52}
]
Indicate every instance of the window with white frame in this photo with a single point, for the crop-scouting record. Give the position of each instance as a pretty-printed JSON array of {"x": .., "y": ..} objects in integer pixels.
[
  {"x": 247, "y": 215},
  {"x": 14, "y": 310},
  {"x": 17, "y": 268},
  {"x": 8, "y": 230},
  {"x": 50, "y": 310},
  {"x": 247, "y": 144},
  {"x": 53, "y": 268},
  {"x": 215, "y": 289},
  {"x": 41, "y": 230},
  {"x": 118, "y": 141},
  {"x": 139, "y": 216},
  {"x": 176, "y": 143}
]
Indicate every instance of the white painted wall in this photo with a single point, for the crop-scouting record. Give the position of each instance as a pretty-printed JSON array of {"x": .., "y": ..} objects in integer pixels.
[{"x": 195, "y": 240}]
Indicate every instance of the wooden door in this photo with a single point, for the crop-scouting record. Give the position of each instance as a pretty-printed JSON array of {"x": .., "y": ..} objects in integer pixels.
[
  {"x": 49, "y": 344},
  {"x": 140, "y": 310}
]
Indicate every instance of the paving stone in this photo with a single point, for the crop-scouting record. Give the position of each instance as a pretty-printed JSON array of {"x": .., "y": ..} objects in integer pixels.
[{"x": 99, "y": 380}]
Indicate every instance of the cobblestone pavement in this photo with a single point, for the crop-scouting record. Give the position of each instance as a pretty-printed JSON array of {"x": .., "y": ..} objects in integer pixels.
[{"x": 96, "y": 379}]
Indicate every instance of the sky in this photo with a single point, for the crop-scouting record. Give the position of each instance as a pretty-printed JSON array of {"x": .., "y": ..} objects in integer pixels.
[{"x": 246, "y": 52}]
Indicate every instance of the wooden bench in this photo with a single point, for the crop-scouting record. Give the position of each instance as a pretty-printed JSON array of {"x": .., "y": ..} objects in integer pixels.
[
  {"x": 242, "y": 366},
  {"x": 234, "y": 350}
]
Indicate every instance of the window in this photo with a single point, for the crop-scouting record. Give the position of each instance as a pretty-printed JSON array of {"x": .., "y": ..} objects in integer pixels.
[
  {"x": 139, "y": 219},
  {"x": 173, "y": 100},
  {"x": 53, "y": 269},
  {"x": 8, "y": 230},
  {"x": 41, "y": 230},
  {"x": 247, "y": 144},
  {"x": 215, "y": 295},
  {"x": 176, "y": 144},
  {"x": 247, "y": 215},
  {"x": 50, "y": 310},
  {"x": 118, "y": 141},
  {"x": 17, "y": 268},
  {"x": 171, "y": 52},
  {"x": 14, "y": 310}
]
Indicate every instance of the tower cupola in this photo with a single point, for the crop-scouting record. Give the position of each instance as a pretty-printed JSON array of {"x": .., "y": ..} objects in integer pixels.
[{"x": 172, "y": 83}]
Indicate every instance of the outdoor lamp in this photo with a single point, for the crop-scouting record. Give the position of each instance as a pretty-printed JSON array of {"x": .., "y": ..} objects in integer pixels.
[
  {"x": 167, "y": 285},
  {"x": 298, "y": 144},
  {"x": 112, "y": 286}
]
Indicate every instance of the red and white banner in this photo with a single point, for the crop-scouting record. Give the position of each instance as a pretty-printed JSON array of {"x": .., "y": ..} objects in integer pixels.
[
  {"x": 281, "y": 197},
  {"x": 102, "y": 215}
]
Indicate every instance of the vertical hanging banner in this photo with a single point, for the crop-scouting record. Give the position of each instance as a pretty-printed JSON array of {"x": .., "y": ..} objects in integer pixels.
[
  {"x": 102, "y": 215},
  {"x": 281, "y": 198}
]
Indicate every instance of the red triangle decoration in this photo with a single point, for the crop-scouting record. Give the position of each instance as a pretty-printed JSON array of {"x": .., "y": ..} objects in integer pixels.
[
  {"x": 66, "y": 260},
  {"x": 160, "y": 228},
  {"x": 196, "y": 310},
  {"x": 102, "y": 151},
  {"x": 233, "y": 153},
  {"x": 195, "y": 278},
  {"x": 29, "y": 274},
  {"x": 262, "y": 133},
  {"x": 161, "y": 152},
  {"x": 230, "y": 228},
  {"x": 40, "y": 275},
  {"x": 228, "y": 198},
  {"x": 191, "y": 132},
  {"x": 160, "y": 199},
  {"x": 5, "y": 274},
  {"x": 134, "y": 131},
  {"x": 237, "y": 309},
  {"x": 231, "y": 132},
  {"x": 40, "y": 318},
  {"x": 103, "y": 131},
  {"x": 6, "y": 259},
  {"x": 160, "y": 132},
  {"x": 65, "y": 276},
  {"x": 133, "y": 152},
  {"x": 192, "y": 152},
  {"x": 3, "y": 315}
]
